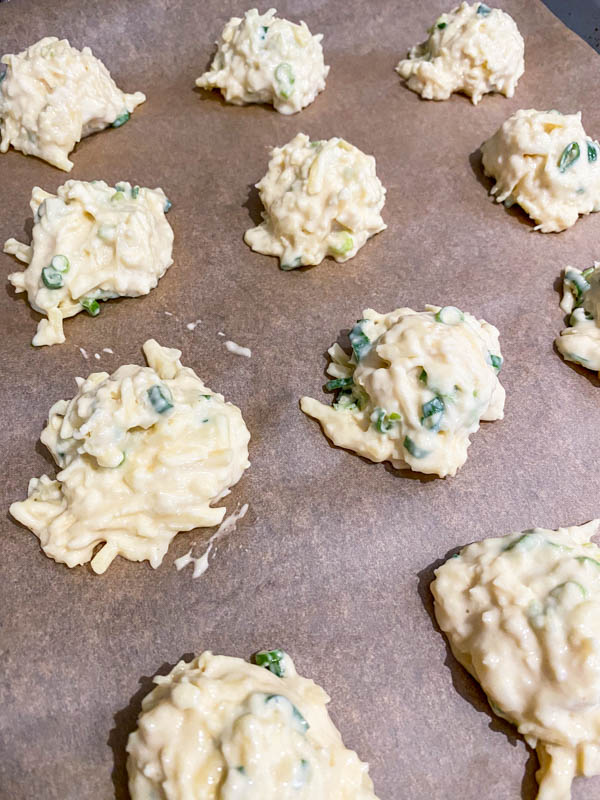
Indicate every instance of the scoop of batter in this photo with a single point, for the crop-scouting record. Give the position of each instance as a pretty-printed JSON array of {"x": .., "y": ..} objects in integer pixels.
[
  {"x": 91, "y": 242},
  {"x": 263, "y": 59},
  {"x": 218, "y": 728},
  {"x": 321, "y": 198},
  {"x": 522, "y": 615},
  {"x": 580, "y": 341},
  {"x": 52, "y": 95},
  {"x": 143, "y": 453},
  {"x": 414, "y": 388},
  {"x": 471, "y": 49},
  {"x": 545, "y": 162}
]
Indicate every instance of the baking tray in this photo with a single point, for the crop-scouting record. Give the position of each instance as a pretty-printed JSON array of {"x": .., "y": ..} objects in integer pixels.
[{"x": 333, "y": 560}]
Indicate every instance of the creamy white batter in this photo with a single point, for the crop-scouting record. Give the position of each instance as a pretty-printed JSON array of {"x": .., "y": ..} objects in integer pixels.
[
  {"x": 218, "y": 728},
  {"x": 321, "y": 198},
  {"x": 545, "y": 162},
  {"x": 91, "y": 242},
  {"x": 414, "y": 388},
  {"x": 52, "y": 95},
  {"x": 143, "y": 454},
  {"x": 522, "y": 614},
  {"x": 471, "y": 49},
  {"x": 580, "y": 341},
  {"x": 263, "y": 59}
]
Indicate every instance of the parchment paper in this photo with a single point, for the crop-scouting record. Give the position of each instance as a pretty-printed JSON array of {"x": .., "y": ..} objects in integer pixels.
[{"x": 334, "y": 559}]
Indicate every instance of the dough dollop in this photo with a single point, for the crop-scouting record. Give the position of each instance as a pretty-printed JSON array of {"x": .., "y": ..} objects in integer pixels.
[
  {"x": 263, "y": 59},
  {"x": 218, "y": 728},
  {"x": 580, "y": 341},
  {"x": 545, "y": 162},
  {"x": 522, "y": 615},
  {"x": 52, "y": 95},
  {"x": 142, "y": 454},
  {"x": 414, "y": 389},
  {"x": 321, "y": 198},
  {"x": 91, "y": 242},
  {"x": 471, "y": 49}
]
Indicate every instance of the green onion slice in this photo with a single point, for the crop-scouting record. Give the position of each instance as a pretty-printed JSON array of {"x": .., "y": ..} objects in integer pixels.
[
  {"x": 160, "y": 398},
  {"x": 91, "y": 306},
  {"x": 361, "y": 344},
  {"x": 51, "y": 278},
  {"x": 483, "y": 10},
  {"x": 495, "y": 361},
  {"x": 441, "y": 25},
  {"x": 121, "y": 119},
  {"x": 577, "y": 282},
  {"x": 60, "y": 263},
  {"x": 569, "y": 156},
  {"x": 168, "y": 206},
  {"x": 450, "y": 315},
  {"x": 293, "y": 264},
  {"x": 413, "y": 449},
  {"x": 338, "y": 383},
  {"x": 135, "y": 192},
  {"x": 592, "y": 151},
  {"x": 346, "y": 401},
  {"x": 433, "y": 411},
  {"x": 344, "y": 244},
  {"x": 3, "y": 71},
  {"x": 281, "y": 700},
  {"x": 271, "y": 660},
  {"x": 284, "y": 75}
]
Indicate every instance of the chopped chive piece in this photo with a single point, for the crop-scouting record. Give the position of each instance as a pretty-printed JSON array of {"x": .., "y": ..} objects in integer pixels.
[
  {"x": 271, "y": 660},
  {"x": 569, "y": 156},
  {"x": 168, "y": 206},
  {"x": 441, "y": 25},
  {"x": 60, "y": 263},
  {"x": 592, "y": 151},
  {"x": 587, "y": 272},
  {"x": 423, "y": 376},
  {"x": 91, "y": 306},
  {"x": 434, "y": 406},
  {"x": 3, "y": 71},
  {"x": 293, "y": 264},
  {"x": 241, "y": 770},
  {"x": 483, "y": 10},
  {"x": 263, "y": 32},
  {"x": 382, "y": 421},
  {"x": 301, "y": 774},
  {"x": 412, "y": 448},
  {"x": 361, "y": 344},
  {"x": 346, "y": 243},
  {"x": 161, "y": 398},
  {"x": 135, "y": 192},
  {"x": 120, "y": 187},
  {"x": 450, "y": 315},
  {"x": 495, "y": 361},
  {"x": 338, "y": 383},
  {"x": 121, "y": 119},
  {"x": 284, "y": 75},
  {"x": 52, "y": 278}
]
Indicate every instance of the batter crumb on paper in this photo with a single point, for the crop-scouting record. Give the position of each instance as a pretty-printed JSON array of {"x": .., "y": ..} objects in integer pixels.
[
  {"x": 237, "y": 349},
  {"x": 201, "y": 562}
]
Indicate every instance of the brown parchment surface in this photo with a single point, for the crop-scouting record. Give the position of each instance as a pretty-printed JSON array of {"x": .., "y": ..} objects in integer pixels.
[{"x": 334, "y": 558}]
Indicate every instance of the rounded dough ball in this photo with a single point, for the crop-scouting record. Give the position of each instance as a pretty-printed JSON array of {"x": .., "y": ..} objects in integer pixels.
[
  {"x": 545, "y": 162},
  {"x": 320, "y": 198},
  {"x": 218, "y": 728},
  {"x": 105, "y": 242},
  {"x": 414, "y": 389},
  {"x": 52, "y": 95},
  {"x": 471, "y": 49},
  {"x": 143, "y": 453},
  {"x": 522, "y": 614},
  {"x": 263, "y": 59}
]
